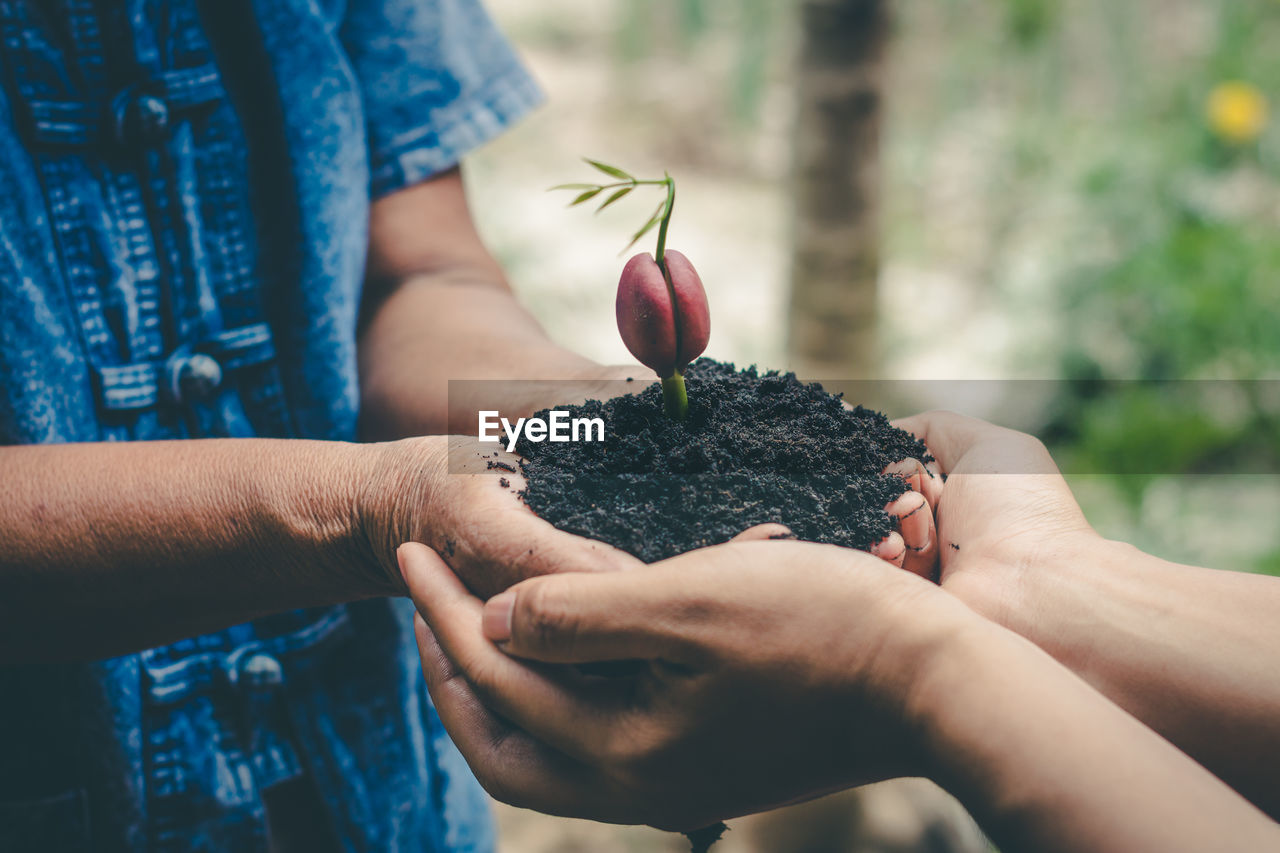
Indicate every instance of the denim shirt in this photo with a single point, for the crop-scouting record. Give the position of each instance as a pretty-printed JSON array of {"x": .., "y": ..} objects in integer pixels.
[{"x": 184, "y": 198}]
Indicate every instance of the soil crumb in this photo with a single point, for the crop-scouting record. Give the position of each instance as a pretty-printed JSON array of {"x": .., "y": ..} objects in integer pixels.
[
  {"x": 756, "y": 448},
  {"x": 701, "y": 840}
]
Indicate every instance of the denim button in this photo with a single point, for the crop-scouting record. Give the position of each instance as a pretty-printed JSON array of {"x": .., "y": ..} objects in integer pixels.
[
  {"x": 193, "y": 377},
  {"x": 259, "y": 670},
  {"x": 140, "y": 119}
]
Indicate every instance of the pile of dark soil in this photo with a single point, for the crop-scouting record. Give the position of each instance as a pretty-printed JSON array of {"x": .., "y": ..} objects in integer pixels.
[{"x": 754, "y": 449}]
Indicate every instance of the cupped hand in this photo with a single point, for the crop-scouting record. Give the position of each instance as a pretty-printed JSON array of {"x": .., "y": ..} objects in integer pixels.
[
  {"x": 915, "y": 542},
  {"x": 775, "y": 671},
  {"x": 1004, "y": 510},
  {"x": 461, "y": 497}
]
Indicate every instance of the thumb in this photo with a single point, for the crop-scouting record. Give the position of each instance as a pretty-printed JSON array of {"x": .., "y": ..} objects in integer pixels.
[
  {"x": 950, "y": 437},
  {"x": 947, "y": 434},
  {"x": 590, "y": 618}
]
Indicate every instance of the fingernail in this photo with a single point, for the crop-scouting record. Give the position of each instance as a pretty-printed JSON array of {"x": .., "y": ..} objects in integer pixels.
[
  {"x": 881, "y": 549},
  {"x": 496, "y": 621},
  {"x": 400, "y": 560},
  {"x": 921, "y": 505}
]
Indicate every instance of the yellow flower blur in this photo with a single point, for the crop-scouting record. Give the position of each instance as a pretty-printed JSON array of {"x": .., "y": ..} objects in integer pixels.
[{"x": 1237, "y": 112}]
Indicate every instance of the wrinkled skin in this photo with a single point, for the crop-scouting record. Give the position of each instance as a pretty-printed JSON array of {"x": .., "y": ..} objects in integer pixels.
[{"x": 450, "y": 499}]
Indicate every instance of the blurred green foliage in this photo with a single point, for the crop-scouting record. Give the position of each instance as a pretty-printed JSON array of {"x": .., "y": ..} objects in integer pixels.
[
  {"x": 1099, "y": 199},
  {"x": 1030, "y": 21},
  {"x": 1064, "y": 166},
  {"x": 1270, "y": 564},
  {"x": 749, "y": 28},
  {"x": 1178, "y": 276},
  {"x": 1184, "y": 279}
]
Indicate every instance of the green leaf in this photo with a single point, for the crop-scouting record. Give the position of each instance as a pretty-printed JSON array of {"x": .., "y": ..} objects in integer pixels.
[
  {"x": 662, "y": 213},
  {"x": 611, "y": 171},
  {"x": 573, "y": 187},
  {"x": 615, "y": 197},
  {"x": 586, "y": 196},
  {"x": 649, "y": 226}
]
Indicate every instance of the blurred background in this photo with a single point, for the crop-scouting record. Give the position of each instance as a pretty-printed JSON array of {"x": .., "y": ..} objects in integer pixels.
[{"x": 1082, "y": 196}]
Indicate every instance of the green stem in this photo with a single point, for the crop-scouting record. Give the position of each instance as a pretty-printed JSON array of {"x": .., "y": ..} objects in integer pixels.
[
  {"x": 675, "y": 399},
  {"x": 674, "y": 396},
  {"x": 666, "y": 223}
]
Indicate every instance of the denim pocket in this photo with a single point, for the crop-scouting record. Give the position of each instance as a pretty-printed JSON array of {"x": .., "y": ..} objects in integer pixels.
[{"x": 56, "y": 824}]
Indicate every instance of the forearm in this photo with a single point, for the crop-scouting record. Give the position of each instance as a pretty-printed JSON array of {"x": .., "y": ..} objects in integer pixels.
[
  {"x": 437, "y": 307},
  {"x": 463, "y": 324},
  {"x": 107, "y": 548},
  {"x": 1193, "y": 653},
  {"x": 1046, "y": 763}
]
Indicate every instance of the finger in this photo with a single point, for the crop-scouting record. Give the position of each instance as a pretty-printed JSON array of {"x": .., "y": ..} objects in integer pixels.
[
  {"x": 492, "y": 537},
  {"x": 922, "y": 477},
  {"x": 529, "y": 699},
  {"x": 915, "y": 522},
  {"x": 891, "y": 549},
  {"x": 764, "y": 531},
  {"x": 551, "y": 551},
  {"x": 910, "y": 470},
  {"x": 677, "y": 611},
  {"x": 467, "y": 456},
  {"x": 931, "y": 484},
  {"x": 546, "y": 549},
  {"x": 495, "y": 540},
  {"x": 510, "y": 764},
  {"x": 594, "y": 618},
  {"x": 986, "y": 448}
]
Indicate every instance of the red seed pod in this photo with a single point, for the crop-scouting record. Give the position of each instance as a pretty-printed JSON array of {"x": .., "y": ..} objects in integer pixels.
[{"x": 661, "y": 332}]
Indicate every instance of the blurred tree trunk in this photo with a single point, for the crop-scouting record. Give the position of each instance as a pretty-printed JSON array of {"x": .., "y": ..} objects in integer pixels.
[{"x": 836, "y": 253}]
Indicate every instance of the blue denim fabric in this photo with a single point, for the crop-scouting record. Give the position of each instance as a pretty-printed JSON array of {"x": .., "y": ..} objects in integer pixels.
[{"x": 184, "y": 192}]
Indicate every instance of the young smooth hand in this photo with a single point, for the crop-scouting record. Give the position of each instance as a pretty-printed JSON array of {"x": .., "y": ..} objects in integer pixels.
[
  {"x": 1004, "y": 510},
  {"x": 1192, "y": 652},
  {"x": 777, "y": 671},
  {"x": 774, "y": 672}
]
